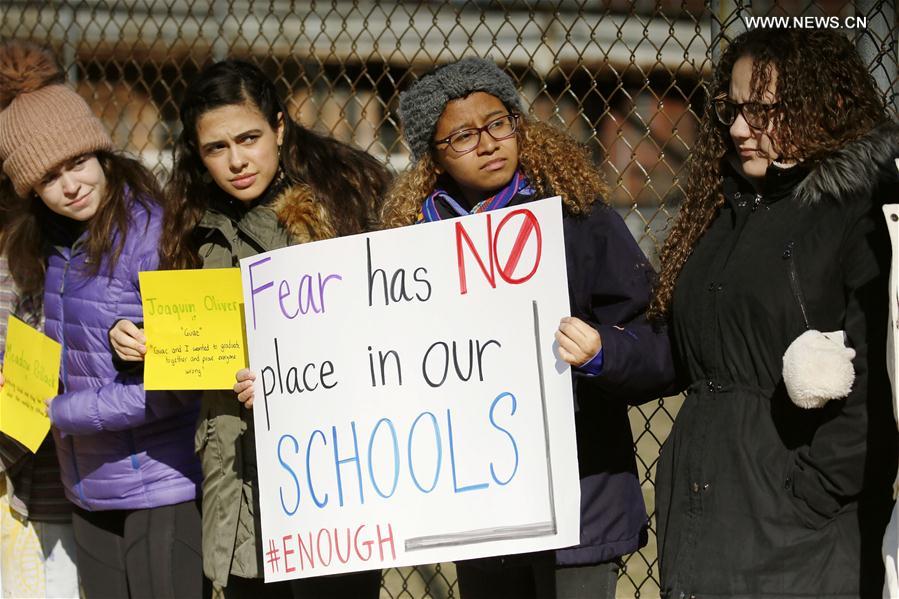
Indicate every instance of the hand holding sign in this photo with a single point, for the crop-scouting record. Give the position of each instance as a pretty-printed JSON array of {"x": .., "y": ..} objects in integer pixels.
[
  {"x": 128, "y": 341},
  {"x": 578, "y": 341},
  {"x": 244, "y": 387}
]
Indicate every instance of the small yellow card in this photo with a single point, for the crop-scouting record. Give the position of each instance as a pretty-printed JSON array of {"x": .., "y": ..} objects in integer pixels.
[
  {"x": 31, "y": 373},
  {"x": 193, "y": 321}
]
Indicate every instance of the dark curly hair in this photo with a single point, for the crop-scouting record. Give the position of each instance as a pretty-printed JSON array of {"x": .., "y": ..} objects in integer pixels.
[{"x": 826, "y": 99}]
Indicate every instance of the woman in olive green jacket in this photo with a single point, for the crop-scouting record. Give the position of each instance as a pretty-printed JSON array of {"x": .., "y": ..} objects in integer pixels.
[{"x": 247, "y": 179}]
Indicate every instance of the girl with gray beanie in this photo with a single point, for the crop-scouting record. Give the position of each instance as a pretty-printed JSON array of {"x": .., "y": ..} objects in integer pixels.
[
  {"x": 81, "y": 222},
  {"x": 474, "y": 150}
]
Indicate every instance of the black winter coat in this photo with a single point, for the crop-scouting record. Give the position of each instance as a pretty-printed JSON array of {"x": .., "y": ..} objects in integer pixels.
[{"x": 755, "y": 496}]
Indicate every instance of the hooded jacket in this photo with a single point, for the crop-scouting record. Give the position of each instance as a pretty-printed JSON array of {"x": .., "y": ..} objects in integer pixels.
[
  {"x": 119, "y": 447},
  {"x": 225, "y": 437},
  {"x": 756, "y": 496}
]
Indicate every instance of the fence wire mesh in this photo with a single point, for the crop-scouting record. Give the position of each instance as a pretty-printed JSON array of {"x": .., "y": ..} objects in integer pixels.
[{"x": 626, "y": 78}]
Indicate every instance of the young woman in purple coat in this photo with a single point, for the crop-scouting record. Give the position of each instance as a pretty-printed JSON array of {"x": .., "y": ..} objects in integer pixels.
[{"x": 83, "y": 221}]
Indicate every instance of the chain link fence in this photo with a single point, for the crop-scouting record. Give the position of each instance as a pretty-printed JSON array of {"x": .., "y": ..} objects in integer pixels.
[{"x": 626, "y": 78}]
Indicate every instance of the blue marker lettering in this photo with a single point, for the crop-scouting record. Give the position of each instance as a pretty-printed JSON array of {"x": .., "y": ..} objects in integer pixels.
[
  {"x": 439, "y": 452},
  {"x": 324, "y": 501},
  {"x": 508, "y": 434},
  {"x": 456, "y": 487},
  {"x": 296, "y": 483},
  {"x": 339, "y": 462},
  {"x": 396, "y": 458}
]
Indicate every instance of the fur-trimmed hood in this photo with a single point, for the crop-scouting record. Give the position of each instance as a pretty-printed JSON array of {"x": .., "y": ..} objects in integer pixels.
[
  {"x": 301, "y": 215},
  {"x": 288, "y": 215},
  {"x": 855, "y": 169}
]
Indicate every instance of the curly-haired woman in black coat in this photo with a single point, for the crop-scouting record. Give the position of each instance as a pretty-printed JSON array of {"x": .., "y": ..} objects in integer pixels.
[{"x": 776, "y": 478}]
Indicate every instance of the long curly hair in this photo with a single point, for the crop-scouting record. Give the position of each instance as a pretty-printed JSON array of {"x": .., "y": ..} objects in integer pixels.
[
  {"x": 826, "y": 98},
  {"x": 347, "y": 182},
  {"x": 552, "y": 161},
  {"x": 23, "y": 236}
]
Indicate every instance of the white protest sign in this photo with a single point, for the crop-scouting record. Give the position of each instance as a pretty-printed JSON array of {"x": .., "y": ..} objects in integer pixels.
[{"x": 409, "y": 404}]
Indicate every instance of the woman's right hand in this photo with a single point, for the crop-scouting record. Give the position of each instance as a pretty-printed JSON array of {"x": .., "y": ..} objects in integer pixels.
[
  {"x": 244, "y": 387},
  {"x": 128, "y": 341}
]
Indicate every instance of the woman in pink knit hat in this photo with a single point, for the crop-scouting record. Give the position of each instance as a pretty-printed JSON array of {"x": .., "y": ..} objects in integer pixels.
[{"x": 82, "y": 221}]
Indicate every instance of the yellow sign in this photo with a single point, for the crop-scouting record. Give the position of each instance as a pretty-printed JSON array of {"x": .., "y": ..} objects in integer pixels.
[
  {"x": 31, "y": 373},
  {"x": 193, "y": 321}
]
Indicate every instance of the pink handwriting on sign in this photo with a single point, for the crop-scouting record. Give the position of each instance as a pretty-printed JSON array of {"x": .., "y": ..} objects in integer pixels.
[
  {"x": 327, "y": 544},
  {"x": 527, "y": 227}
]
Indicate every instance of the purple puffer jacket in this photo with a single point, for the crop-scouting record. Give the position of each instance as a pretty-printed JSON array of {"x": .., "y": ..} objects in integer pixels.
[{"x": 118, "y": 447}]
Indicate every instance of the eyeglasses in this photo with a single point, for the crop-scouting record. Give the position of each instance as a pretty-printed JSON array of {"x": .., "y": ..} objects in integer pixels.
[
  {"x": 756, "y": 114},
  {"x": 466, "y": 140}
]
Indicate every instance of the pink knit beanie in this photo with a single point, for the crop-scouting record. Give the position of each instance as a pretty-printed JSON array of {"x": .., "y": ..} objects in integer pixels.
[{"x": 43, "y": 121}]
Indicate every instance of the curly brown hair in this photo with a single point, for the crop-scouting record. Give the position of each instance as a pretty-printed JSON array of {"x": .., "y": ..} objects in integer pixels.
[
  {"x": 552, "y": 161},
  {"x": 826, "y": 98}
]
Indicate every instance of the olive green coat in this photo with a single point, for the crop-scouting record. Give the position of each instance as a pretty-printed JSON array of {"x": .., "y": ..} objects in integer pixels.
[{"x": 225, "y": 434}]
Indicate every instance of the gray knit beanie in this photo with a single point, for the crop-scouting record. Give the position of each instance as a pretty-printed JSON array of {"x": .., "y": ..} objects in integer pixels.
[{"x": 423, "y": 103}]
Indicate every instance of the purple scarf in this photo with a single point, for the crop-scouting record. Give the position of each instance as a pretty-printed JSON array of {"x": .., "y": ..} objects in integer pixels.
[{"x": 518, "y": 184}]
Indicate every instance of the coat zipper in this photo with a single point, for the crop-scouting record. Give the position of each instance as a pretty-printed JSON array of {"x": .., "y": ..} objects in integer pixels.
[
  {"x": 794, "y": 281},
  {"x": 756, "y": 202},
  {"x": 62, "y": 337}
]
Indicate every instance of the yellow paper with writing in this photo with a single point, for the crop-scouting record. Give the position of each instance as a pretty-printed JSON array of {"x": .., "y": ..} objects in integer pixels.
[
  {"x": 31, "y": 373},
  {"x": 193, "y": 321}
]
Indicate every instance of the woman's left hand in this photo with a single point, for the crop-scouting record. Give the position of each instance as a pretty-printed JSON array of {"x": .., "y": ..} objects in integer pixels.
[
  {"x": 128, "y": 341},
  {"x": 244, "y": 387},
  {"x": 47, "y": 403},
  {"x": 578, "y": 341}
]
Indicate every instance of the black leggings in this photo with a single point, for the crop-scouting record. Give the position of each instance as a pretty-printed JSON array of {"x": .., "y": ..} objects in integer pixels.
[
  {"x": 255, "y": 588},
  {"x": 153, "y": 553},
  {"x": 358, "y": 585},
  {"x": 538, "y": 578}
]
